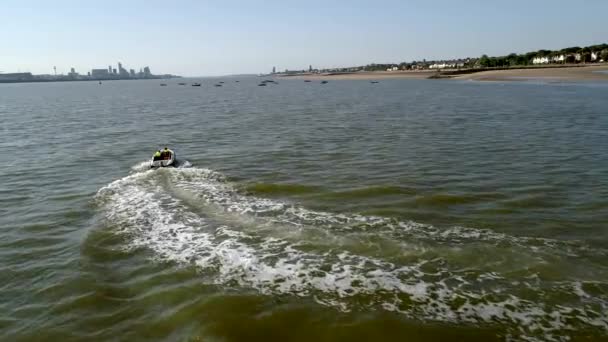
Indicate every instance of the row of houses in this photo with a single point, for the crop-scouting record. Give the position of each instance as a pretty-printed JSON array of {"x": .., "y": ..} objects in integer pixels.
[
  {"x": 447, "y": 65},
  {"x": 564, "y": 58}
]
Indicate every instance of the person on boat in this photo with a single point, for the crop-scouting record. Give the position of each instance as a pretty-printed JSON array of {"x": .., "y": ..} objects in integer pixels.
[
  {"x": 157, "y": 155},
  {"x": 166, "y": 153}
]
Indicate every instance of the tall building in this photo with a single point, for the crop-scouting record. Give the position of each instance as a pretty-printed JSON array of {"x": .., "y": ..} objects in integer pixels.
[
  {"x": 122, "y": 71},
  {"x": 100, "y": 73},
  {"x": 73, "y": 73},
  {"x": 114, "y": 71},
  {"x": 274, "y": 69},
  {"x": 132, "y": 72},
  {"x": 147, "y": 72},
  {"x": 310, "y": 68},
  {"x": 109, "y": 69}
]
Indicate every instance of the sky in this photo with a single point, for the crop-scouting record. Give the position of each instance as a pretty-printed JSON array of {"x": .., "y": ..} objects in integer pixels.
[{"x": 206, "y": 38}]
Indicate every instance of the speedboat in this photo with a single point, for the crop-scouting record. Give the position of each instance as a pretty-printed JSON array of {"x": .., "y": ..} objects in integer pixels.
[
  {"x": 323, "y": 82},
  {"x": 166, "y": 159},
  {"x": 262, "y": 85},
  {"x": 163, "y": 84},
  {"x": 196, "y": 84}
]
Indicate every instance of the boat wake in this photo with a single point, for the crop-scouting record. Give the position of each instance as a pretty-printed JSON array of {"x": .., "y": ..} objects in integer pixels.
[{"x": 196, "y": 218}]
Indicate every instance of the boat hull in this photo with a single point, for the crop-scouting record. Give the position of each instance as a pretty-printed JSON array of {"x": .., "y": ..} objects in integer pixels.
[{"x": 155, "y": 164}]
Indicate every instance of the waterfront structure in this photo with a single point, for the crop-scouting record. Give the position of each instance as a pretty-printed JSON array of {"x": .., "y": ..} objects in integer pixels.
[
  {"x": 16, "y": 77},
  {"x": 122, "y": 71},
  {"x": 100, "y": 73},
  {"x": 72, "y": 73},
  {"x": 95, "y": 74}
]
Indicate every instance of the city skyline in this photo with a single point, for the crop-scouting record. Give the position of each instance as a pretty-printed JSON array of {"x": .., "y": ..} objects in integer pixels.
[
  {"x": 193, "y": 38},
  {"x": 110, "y": 70}
]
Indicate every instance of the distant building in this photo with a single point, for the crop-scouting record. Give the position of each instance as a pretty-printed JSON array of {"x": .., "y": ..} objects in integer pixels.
[
  {"x": 100, "y": 73},
  {"x": 73, "y": 73},
  {"x": 109, "y": 69},
  {"x": 274, "y": 69},
  {"x": 310, "y": 68},
  {"x": 540, "y": 60},
  {"x": 147, "y": 72},
  {"x": 594, "y": 56},
  {"x": 114, "y": 71},
  {"x": 13, "y": 77},
  {"x": 132, "y": 72},
  {"x": 122, "y": 71}
]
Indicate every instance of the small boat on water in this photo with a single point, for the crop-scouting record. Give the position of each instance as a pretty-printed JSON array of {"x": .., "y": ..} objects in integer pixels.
[
  {"x": 163, "y": 158},
  {"x": 196, "y": 84},
  {"x": 323, "y": 82},
  {"x": 222, "y": 82},
  {"x": 373, "y": 82},
  {"x": 262, "y": 85},
  {"x": 307, "y": 81},
  {"x": 163, "y": 84},
  {"x": 217, "y": 85}
]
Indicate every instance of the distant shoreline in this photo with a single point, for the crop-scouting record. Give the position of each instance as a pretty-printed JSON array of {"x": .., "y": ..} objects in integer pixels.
[
  {"x": 85, "y": 80},
  {"x": 561, "y": 72}
]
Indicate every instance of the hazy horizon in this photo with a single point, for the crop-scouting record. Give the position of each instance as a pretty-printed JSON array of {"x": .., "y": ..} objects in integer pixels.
[{"x": 192, "y": 38}]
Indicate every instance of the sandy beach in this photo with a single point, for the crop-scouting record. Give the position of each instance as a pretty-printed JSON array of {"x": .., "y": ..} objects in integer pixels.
[
  {"x": 589, "y": 73},
  {"x": 584, "y": 73}
]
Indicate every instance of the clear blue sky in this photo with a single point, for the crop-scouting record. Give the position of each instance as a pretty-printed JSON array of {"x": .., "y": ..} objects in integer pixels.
[{"x": 196, "y": 38}]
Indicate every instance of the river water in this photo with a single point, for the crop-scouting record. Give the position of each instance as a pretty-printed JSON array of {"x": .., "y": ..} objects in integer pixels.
[{"x": 404, "y": 210}]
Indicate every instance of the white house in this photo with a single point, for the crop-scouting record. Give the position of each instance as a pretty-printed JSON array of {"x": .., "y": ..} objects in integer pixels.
[
  {"x": 540, "y": 60},
  {"x": 594, "y": 56},
  {"x": 446, "y": 65},
  {"x": 558, "y": 59}
]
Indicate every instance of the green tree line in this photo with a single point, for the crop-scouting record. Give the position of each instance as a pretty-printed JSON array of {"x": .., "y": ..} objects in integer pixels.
[{"x": 527, "y": 58}]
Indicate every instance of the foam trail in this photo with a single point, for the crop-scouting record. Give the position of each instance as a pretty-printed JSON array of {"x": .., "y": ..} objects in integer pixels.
[{"x": 161, "y": 219}]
